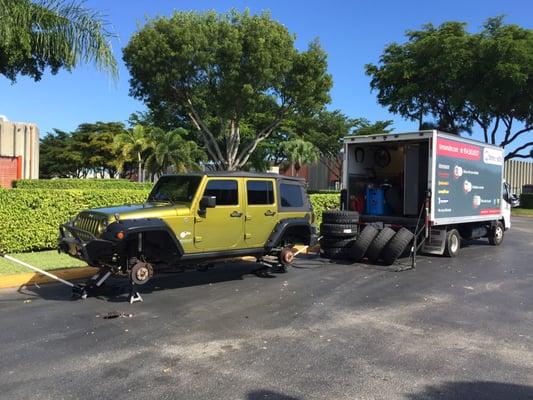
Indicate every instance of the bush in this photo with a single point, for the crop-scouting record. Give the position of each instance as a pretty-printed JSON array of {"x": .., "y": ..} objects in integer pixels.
[
  {"x": 526, "y": 200},
  {"x": 324, "y": 191},
  {"x": 80, "y": 184},
  {"x": 321, "y": 202},
  {"x": 30, "y": 218}
]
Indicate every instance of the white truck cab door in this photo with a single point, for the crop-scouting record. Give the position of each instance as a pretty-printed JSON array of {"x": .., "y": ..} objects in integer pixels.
[{"x": 506, "y": 205}]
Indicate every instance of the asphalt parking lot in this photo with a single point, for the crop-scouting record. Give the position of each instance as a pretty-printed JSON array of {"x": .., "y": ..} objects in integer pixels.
[{"x": 450, "y": 329}]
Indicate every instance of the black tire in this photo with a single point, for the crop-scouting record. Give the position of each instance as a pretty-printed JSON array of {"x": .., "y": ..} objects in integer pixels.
[
  {"x": 339, "y": 230},
  {"x": 336, "y": 253},
  {"x": 331, "y": 241},
  {"x": 340, "y": 217},
  {"x": 378, "y": 244},
  {"x": 496, "y": 234},
  {"x": 360, "y": 246},
  {"x": 397, "y": 245},
  {"x": 453, "y": 243}
]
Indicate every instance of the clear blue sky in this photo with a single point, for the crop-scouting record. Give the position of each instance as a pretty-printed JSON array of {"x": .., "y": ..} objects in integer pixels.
[{"x": 353, "y": 33}]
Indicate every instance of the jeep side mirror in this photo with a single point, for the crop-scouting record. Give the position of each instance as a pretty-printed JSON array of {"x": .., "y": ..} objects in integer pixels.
[{"x": 207, "y": 202}]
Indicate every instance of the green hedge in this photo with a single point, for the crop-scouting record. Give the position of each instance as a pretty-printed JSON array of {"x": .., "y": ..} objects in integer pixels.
[
  {"x": 83, "y": 184},
  {"x": 321, "y": 202},
  {"x": 526, "y": 200},
  {"x": 29, "y": 219}
]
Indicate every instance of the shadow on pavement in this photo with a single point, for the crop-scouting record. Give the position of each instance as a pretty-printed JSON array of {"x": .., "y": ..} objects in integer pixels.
[
  {"x": 117, "y": 289},
  {"x": 474, "y": 391}
]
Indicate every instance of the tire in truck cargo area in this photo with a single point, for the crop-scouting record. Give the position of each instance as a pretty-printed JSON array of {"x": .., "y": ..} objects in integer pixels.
[
  {"x": 375, "y": 250},
  {"x": 397, "y": 245},
  {"x": 360, "y": 246}
]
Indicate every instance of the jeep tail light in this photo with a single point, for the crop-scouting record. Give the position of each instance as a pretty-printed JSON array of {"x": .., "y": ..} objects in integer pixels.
[{"x": 120, "y": 235}]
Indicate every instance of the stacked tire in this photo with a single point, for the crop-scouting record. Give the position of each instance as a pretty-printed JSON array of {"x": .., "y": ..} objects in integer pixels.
[
  {"x": 385, "y": 244},
  {"x": 339, "y": 230}
]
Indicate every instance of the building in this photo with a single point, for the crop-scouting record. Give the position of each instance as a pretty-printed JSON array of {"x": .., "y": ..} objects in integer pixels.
[
  {"x": 19, "y": 151},
  {"x": 518, "y": 173}
]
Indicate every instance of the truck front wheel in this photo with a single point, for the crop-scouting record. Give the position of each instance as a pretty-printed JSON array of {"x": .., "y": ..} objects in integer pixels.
[
  {"x": 453, "y": 243},
  {"x": 496, "y": 234}
]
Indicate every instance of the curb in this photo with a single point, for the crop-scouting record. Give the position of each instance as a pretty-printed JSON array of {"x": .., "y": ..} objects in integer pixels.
[{"x": 33, "y": 278}]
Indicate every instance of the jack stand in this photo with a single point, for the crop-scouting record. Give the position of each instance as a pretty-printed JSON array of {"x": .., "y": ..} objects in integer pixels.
[{"x": 134, "y": 296}]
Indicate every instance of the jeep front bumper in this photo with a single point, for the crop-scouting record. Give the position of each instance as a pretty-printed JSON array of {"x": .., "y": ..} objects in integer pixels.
[{"x": 85, "y": 246}]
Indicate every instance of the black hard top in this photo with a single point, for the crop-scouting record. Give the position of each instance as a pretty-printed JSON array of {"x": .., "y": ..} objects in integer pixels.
[{"x": 241, "y": 174}]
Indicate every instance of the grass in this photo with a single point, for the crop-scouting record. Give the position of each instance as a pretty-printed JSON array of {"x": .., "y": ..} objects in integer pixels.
[
  {"x": 522, "y": 212},
  {"x": 47, "y": 260}
]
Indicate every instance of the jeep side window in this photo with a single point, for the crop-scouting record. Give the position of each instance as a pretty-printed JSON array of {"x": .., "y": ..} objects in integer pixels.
[
  {"x": 226, "y": 191},
  {"x": 259, "y": 192},
  {"x": 291, "y": 195}
]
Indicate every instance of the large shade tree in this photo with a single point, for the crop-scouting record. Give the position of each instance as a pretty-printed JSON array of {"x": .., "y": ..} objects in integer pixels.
[
  {"x": 235, "y": 78},
  {"x": 55, "y": 34},
  {"x": 456, "y": 80}
]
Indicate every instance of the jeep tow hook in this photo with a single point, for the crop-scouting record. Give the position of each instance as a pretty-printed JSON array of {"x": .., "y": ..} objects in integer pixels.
[{"x": 77, "y": 290}]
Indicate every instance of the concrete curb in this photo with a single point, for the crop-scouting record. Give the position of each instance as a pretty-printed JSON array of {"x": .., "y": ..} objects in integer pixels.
[{"x": 32, "y": 278}]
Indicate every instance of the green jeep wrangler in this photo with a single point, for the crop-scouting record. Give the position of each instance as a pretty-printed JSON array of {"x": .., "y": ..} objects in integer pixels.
[{"x": 193, "y": 219}]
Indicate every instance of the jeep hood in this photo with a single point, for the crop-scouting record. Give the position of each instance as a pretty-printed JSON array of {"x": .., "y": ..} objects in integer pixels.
[{"x": 145, "y": 210}]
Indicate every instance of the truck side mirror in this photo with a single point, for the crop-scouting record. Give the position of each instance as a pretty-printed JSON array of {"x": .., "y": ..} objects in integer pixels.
[
  {"x": 207, "y": 202},
  {"x": 515, "y": 200}
]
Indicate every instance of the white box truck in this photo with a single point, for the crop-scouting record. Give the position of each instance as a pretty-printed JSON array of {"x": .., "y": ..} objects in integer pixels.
[{"x": 435, "y": 187}]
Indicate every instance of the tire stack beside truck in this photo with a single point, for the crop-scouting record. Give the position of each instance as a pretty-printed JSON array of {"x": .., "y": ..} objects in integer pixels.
[{"x": 342, "y": 238}]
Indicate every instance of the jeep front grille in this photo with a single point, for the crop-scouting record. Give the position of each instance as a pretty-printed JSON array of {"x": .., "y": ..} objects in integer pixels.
[{"x": 89, "y": 223}]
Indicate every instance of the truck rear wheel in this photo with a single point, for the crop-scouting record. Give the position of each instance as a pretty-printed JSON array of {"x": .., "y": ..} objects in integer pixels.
[
  {"x": 360, "y": 246},
  {"x": 453, "y": 243},
  {"x": 496, "y": 234},
  {"x": 397, "y": 245},
  {"x": 378, "y": 244}
]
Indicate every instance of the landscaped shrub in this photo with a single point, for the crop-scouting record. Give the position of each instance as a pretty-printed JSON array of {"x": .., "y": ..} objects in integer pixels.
[
  {"x": 80, "y": 184},
  {"x": 321, "y": 202},
  {"x": 526, "y": 200},
  {"x": 30, "y": 219}
]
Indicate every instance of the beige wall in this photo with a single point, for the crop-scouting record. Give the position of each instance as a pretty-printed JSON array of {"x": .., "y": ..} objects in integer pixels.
[
  {"x": 21, "y": 139},
  {"x": 518, "y": 173}
]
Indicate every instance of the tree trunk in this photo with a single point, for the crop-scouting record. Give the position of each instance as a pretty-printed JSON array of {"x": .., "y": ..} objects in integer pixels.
[{"x": 139, "y": 165}]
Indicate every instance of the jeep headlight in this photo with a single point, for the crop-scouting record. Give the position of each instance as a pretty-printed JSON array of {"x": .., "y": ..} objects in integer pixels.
[{"x": 102, "y": 227}]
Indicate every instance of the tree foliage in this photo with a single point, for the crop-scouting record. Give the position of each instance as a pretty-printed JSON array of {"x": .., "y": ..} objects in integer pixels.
[
  {"x": 235, "y": 78},
  {"x": 462, "y": 80},
  {"x": 90, "y": 148},
  {"x": 298, "y": 152},
  {"x": 57, "y": 34}
]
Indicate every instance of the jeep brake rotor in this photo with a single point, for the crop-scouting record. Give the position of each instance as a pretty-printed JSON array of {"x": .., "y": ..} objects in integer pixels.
[
  {"x": 141, "y": 273},
  {"x": 286, "y": 257}
]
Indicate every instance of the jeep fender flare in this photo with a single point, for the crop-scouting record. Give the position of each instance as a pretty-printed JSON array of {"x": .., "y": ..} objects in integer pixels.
[
  {"x": 131, "y": 227},
  {"x": 289, "y": 223}
]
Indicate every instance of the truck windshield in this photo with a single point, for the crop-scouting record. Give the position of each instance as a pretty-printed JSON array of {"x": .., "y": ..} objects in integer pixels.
[{"x": 175, "y": 189}]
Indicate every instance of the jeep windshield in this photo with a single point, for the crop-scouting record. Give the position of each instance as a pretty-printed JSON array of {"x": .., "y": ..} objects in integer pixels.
[{"x": 175, "y": 189}]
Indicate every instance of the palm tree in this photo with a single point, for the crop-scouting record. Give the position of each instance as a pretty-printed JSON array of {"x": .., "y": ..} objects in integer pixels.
[
  {"x": 133, "y": 144},
  {"x": 171, "y": 150},
  {"x": 299, "y": 152},
  {"x": 51, "y": 33}
]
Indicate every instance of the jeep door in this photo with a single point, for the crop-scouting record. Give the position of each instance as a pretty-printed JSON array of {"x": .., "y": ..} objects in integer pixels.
[
  {"x": 261, "y": 211},
  {"x": 221, "y": 227}
]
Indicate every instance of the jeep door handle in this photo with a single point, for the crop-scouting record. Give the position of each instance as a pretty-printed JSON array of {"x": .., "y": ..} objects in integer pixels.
[
  {"x": 270, "y": 213},
  {"x": 236, "y": 214}
]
